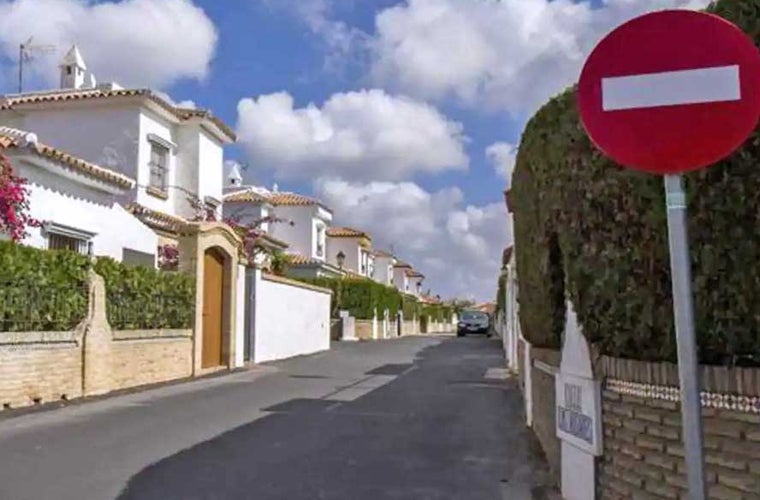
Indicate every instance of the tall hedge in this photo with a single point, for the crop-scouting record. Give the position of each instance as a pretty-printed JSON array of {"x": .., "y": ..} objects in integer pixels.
[
  {"x": 584, "y": 223},
  {"x": 141, "y": 298},
  {"x": 360, "y": 297},
  {"x": 41, "y": 290}
]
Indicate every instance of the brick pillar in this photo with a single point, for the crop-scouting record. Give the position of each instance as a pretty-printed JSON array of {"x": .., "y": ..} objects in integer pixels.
[{"x": 96, "y": 349}]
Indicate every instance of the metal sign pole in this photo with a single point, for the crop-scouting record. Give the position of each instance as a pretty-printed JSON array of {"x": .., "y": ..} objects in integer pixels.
[{"x": 683, "y": 308}]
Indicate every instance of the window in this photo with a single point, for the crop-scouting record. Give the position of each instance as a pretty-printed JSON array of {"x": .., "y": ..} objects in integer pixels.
[
  {"x": 159, "y": 165},
  {"x": 66, "y": 238},
  {"x": 136, "y": 258},
  {"x": 320, "y": 241}
]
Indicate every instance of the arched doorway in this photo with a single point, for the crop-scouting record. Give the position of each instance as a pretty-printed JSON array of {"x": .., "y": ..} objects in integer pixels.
[{"x": 213, "y": 309}]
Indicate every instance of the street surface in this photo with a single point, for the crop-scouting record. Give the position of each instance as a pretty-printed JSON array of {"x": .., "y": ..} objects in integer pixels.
[{"x": 414, "y": 418}]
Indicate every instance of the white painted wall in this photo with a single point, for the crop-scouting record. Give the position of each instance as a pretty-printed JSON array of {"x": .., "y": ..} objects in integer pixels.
[
  {"x": 107, "y": 135},
  {"x": 282, "y": 330},
  {"x": 415, "y": 285},
  {"x": 240, "y": 332},
  {"x": 349, "y": 246},
  {"x": 115, "y": 135},
  {"x": 400, "y": 279},
  {"x": 210, "y": 168},
  {"x": 299, "y": 236},
  {"x": 384, "y": 270},
  {"x": 186, "y": 174},
  {"x": 64, "y": 201},
  {"x": 151, "y": 123}
]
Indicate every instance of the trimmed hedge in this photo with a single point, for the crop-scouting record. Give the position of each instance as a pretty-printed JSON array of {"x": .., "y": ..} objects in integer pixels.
[
  {"x": 578, "y": 214},
  {"x": 360, "y": 297},
  {"x": 141, "y": 298},
  {"x": 436, "y": 312},
  {"x": 41, "y": 290}
]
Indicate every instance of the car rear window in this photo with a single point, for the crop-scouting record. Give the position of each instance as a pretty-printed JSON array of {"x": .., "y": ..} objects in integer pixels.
[{"x": 470, "y": 315}]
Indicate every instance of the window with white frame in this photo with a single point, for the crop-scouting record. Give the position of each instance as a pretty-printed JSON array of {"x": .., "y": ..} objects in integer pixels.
[
  {"x": 363, "y": 262},
  {"x": 320, "y": 250},
  {"x": 66, "y": 238},
  {"x": 159, "y": 165}
]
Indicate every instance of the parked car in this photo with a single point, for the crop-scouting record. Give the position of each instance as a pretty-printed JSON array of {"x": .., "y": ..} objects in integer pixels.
[{"x": 474, "y": 322}]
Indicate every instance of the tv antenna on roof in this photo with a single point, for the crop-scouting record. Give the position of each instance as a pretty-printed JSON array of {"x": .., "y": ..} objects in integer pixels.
[{"x": 25, "y": 52}]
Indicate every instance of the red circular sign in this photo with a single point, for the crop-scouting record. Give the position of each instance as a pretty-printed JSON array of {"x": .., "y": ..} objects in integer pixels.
[{"x": 671, "y": 91}]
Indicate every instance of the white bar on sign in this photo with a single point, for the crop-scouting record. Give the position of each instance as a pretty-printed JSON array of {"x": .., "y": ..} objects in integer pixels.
[{"x": 692, "y": 86}]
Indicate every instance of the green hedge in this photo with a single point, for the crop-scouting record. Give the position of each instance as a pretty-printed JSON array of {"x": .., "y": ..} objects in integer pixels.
[
  {"x": 141, "y": 298},
  {"x": 580, "y": 215},
  {"x": 360, "y": 297},
  {"x": 41, "y": 290},
  {"x": 436, "y": 312}
]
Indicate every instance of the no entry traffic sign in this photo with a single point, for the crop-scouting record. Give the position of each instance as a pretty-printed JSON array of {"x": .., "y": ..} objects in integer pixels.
[
  {"x": 667, "y": 93},
  {"x": 671, "y": 91}
]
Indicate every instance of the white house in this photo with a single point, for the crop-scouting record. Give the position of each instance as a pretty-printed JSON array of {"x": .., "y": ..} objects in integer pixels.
[
  {"x": 384, "y": 262},
  {"x": 77, "y": 202},
  {"x": 172, "y": 153},
  {"x": 351, "y": 250},
  {"x": 303, "y": 224},
  {"x": 415, "y": 279},
  {"x": 401, "y": 279}
]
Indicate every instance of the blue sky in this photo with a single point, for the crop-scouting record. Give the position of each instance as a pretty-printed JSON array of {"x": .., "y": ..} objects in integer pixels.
[
  {"x": 263, "y": 49},
  {"x": 401, "y": 115}
]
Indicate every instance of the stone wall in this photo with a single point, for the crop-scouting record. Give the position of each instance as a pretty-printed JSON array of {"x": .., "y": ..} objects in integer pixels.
[
  {"x": 643, "y": 451},
  {"x": 544, "y": 412},
  {"x": 45, "y": 367}
]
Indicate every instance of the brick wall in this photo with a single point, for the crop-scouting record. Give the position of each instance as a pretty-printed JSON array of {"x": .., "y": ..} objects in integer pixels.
[
  {"x": 148, "y": 357},
  {"x": 39, "y": 367},
  {"x": 643, "y": 452},
  {"x": 364, "y": 329},
  {"x": 544, "y": 412},
  {"x": 410, "y": 327},
  {"x": 44, "y": 367}
]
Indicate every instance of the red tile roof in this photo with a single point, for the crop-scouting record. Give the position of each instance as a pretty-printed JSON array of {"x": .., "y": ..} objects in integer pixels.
[
  {"x": 14, "y": 100},
  {"x": 346, "y": 232},
  {"x": 9, "y": 139}
]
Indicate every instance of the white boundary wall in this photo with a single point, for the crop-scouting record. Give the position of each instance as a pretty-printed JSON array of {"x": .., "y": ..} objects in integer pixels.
[{"x": 291, "y": 318}]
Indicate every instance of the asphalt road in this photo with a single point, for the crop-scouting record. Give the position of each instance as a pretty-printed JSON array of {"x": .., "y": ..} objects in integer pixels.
[{"x": 415, "y": 418}]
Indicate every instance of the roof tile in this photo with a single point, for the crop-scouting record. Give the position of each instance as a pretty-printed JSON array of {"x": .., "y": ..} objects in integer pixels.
[
  {"x": 346, "y": 232},
  {"x": 9, "y": 140},
  {"x": 12, "y": 100}
]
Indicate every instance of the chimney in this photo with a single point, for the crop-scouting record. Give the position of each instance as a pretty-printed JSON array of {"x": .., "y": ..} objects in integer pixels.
[
  {"x": 73, "y": 70},
  {"x": 235, "y": 177}
]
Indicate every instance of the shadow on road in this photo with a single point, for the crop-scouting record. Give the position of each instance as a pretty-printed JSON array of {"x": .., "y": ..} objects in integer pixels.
[{"x": 437, "y": 431}]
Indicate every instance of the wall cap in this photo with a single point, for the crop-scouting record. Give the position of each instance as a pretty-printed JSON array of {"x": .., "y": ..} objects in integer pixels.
[{"x": 300, "y": 284}]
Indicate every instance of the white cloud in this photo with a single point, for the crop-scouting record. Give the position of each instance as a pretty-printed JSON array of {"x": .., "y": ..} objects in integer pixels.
[
  {"x": 135, "y": 42},
  {"x": 364, "y": 135},
  {"x": 457, "y": 246},
  {"x": 500, "y": 55},
  {"x": 502, "y": 156}
]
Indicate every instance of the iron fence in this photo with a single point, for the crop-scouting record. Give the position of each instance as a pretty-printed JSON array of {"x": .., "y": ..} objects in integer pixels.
[
  {"x": 40, "y": 306},
  {"x": 138, "y": 310}
]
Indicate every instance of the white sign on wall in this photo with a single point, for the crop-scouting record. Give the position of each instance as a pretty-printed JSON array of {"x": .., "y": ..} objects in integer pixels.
[
  {"x": 578, "y": 413},
  {"x": 579, "y": 419}
]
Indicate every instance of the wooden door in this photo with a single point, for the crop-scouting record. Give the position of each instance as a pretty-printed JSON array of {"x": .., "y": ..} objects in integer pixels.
[{"x": 213, "y": 307}]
